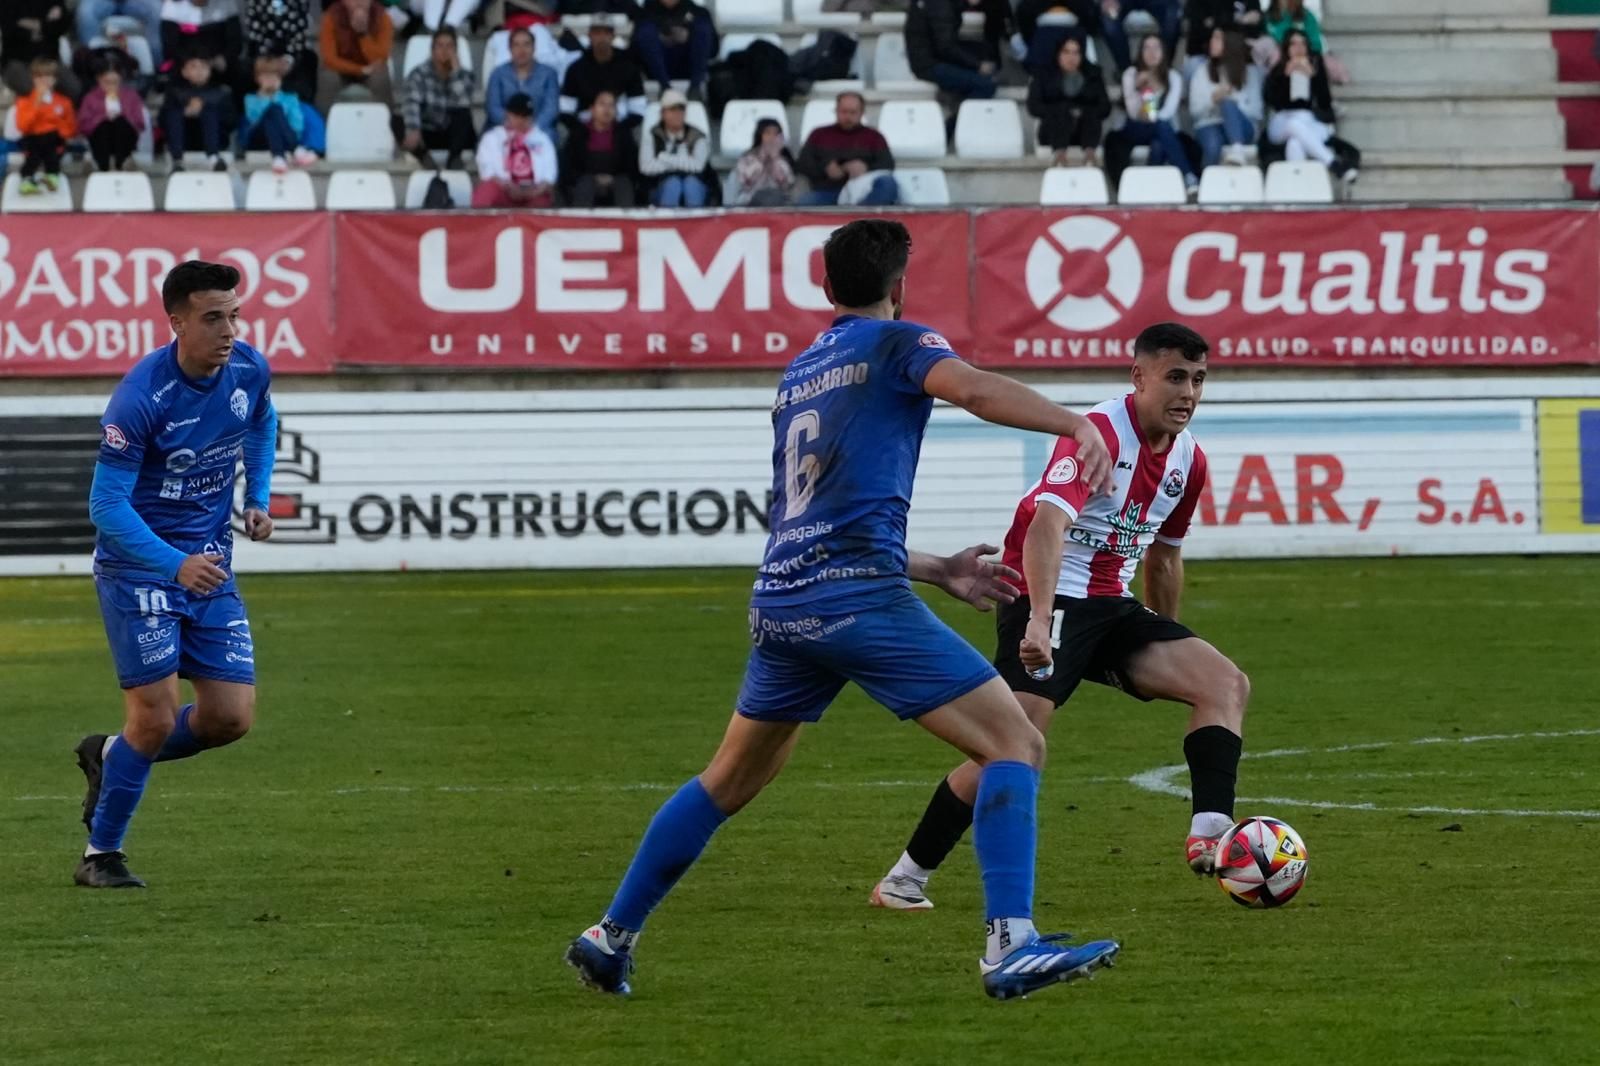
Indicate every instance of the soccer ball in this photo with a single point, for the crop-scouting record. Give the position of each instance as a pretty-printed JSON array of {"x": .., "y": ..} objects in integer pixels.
[{"x": 1261, "y": 862}]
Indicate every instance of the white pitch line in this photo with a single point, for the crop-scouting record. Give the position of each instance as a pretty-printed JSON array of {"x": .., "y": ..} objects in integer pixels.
[
  {"x": 405, "y": 790},
  {"x": 1159, "y": 780}
]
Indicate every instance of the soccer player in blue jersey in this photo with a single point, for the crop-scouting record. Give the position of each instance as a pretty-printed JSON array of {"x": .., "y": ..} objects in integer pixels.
[
  {"x": 833, "y": 603},
  {"x": 162, "y": 502}
]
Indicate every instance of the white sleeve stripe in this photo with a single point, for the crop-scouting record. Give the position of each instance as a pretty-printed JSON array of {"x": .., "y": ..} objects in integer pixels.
[
  {"x": 1169, "y": 541},
  {"x": 1050, "y": 497}
]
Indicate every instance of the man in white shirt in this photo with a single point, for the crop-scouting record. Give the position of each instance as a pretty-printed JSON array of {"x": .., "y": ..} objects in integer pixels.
[{"x": 516, "y": 161}]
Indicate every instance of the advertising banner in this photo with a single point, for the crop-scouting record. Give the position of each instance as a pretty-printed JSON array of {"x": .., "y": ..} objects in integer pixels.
[{"x": 1569, "y": 465}]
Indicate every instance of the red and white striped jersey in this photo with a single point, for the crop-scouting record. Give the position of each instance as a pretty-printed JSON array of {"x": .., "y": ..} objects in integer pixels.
[{"x": 1152, "y": 497}]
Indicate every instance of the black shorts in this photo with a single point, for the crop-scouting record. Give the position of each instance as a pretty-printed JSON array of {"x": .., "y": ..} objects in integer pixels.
[{"x": 1093, "y": 640}]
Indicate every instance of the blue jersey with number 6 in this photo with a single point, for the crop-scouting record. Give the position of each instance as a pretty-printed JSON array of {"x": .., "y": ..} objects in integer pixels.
[{"x": 848, "y": 426}]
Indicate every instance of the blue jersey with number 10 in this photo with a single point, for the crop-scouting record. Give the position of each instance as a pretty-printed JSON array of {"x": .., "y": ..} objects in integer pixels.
[{"x": 848, "y": 426}]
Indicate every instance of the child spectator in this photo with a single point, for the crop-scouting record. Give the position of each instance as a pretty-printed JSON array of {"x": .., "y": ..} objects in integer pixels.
[
  {"x": 1225, "y": 100},
  {"x": 46, "y": 120},
  {"x": 113, "y": 117},
  {"x": 765, "y": 175},
  {"x": 516, "y": 161},
  {"x": 1071, "y": 104},
  {"x": 196, "y": 109},
  {"x": 273, "y": 118},
  {"x": 205, "y": 27},
  {"x": 600, "y": 163}
]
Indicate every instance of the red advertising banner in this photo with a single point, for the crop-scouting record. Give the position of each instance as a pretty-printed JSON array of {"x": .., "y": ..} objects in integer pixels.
[
  {"x": 81, "y": 294},
  {"x": 1301, "y": 288},
  {"x": 713, "y": 290}
]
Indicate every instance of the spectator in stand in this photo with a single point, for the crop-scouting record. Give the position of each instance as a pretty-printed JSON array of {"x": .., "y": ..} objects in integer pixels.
[
  {"x": 30, "y": 29},
  {"x": 1286, "y": 15},
  {"x": 196, "y": 108},
  {"x": 765, "y": 175},
  {"x": 1167, "y": 13},
  {"x": 282, "y": 28},
  {"x": 603, "y": 69},
  {"x": 1206, "y": 16},
  {"x": 112, "y": 117},
  {"x": 1071, "y": 104},
  {"x": 92, "y": 15},
  {"x": 525, "y": 75},
  {"x": 273, "y": 118},
  {"x": 833, "y": 156},
  {"x": 936, "y": 52},
  {"x": 1043, "y": 24},
  {"x": 1152, "y": 93},
  {"x": 600, "y": 161},
  {"x": 436, "y": 109},
  {"x": 46, "y": 120},
  {"x": 356, "y": 40},
  {"x": 205, "y": 27},
  {"x": 676, "y": 39},
  {"x": 1302, "y": 107},
  {"x": 676, "y": 154},
  {"x": 1225, "y": 100},
  {"x": 516, "y": 161}
]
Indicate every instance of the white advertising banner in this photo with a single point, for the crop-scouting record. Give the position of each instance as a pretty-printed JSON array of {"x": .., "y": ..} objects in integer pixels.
[{"x": 376, "y": 481}]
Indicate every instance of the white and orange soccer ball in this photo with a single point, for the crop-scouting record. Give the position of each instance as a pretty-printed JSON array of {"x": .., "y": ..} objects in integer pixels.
[{"x": 1261, "y": 862}]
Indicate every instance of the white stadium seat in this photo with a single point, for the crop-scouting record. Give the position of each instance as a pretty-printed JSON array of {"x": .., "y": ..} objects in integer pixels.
[
  {"x": 810, "y": 13},
  {"x": 360, "y": 190},
  {"x": 459, "y": 181},
  {"x": 12, "y": 201},
  {"x": 289, "y": 191},
  {"x": 818, "y": 113},
  {"x": 1152, "y": 185},
  {"x": 923, "y": 187},
  {"x": 749, "y": 12},
  {"x": 1306, "y": 182},
  {"x": 115, "y": 191},
  {"x": 989, "y": 129},
  {"x": 420, "y": 48},
  {"x": 199, "y": 190},
  {"x": 913, "y": 128},
  {"x": 1231, "y": 185},
  {"x": 695, "y": 115},
  {"x": 739, "y": 123},
  {"x": 359, "y": 133},
  {"x": 1075, "y": 186},
  {"x": 891, "y": 70}
]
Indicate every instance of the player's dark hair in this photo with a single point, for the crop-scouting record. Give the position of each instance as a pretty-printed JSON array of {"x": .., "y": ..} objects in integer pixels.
[
  {"x": 1170, "y": 336},
  {"x": 186, "y": 279},
  {"x": 863, "y": 259}
]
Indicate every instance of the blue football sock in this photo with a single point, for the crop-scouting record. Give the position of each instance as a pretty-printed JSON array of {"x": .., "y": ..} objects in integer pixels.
[
  {"x": 181, "y": 742},
  {"x": 121, "y": 784},
  {"x": 1004, "y": 835},
  {"x": 677, "y": 835}
]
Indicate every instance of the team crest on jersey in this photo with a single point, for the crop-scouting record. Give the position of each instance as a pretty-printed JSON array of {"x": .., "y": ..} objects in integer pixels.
[
  {"x": 181, "y": 460},
  {"x": 1065, "y": 472},
  {"x": 933, "y": 340},
  {"x": 115, "y": 438},
  {"x": 240, "y": 403},
  {"x": 1173, "y": 487}
]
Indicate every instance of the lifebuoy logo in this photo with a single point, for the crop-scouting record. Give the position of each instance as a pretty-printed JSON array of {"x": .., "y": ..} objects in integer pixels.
[{"x": 1084, "y": 235}]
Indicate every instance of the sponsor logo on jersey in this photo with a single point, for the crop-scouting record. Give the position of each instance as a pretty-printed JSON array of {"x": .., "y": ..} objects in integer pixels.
[
  {"x": 163, "y": 390},
  {"x": 115, "y": 439},
  {"x": 1173, "y": 486},
  {"x": 172, "y": 488},
  {"x": 179, "y": 425},
  {"x": 1065, "y": 472},
  {"x": 933, "y": 340},
  {"x": 181, "y": 460},
  {"x": 239, "y": 403}
]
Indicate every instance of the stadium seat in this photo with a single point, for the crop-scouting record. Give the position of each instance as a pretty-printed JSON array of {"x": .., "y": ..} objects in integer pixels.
[
  {"x": 810, "y": 13},
  {"x": 420, "y": 47},
  {"x": 199, "y": 190},
  {"x": 359, "y": 133},
  {"x": 290, "y": 191},
  {"x": 360, "y": 190},
  {"x": 913, "y": 128},
  {"x": 989, "y": 129},
  {"x": 1080, "y": 186},
  {"x": 923, "y": 187},
  {"x": 749, "y": 12},
  {"x": 818, "y": 113},
  {"x": 1230, "y": 185},
  {"x": 891, "y": 70},
  {"x": 1152, "y": 185},
  {"x": 459, "y": 181},
  {"x": 893, "y": 20},
  {"x": 739, "y": 123},
  {"x": 116, "y": 191},
  {"x": 695, "y": 114},
  {"x": 1306, "y": 182},
  {"x": 738, "y": 42},
  {"x": 13, "y": 202}
]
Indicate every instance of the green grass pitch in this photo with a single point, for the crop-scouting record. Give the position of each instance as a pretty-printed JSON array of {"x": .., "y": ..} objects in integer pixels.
[{"x": 450, "y": 773}]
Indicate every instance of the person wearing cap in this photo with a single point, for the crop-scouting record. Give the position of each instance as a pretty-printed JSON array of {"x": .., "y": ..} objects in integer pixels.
[
  {"x": 436, "y": 111},
  {"x": 525, "y": 75},
  {"x": 516, "y": 161},
  {"x": 675, "y": 155},
  {"x": 676, "y": 39},
  {"x": 602, "y": 68}
]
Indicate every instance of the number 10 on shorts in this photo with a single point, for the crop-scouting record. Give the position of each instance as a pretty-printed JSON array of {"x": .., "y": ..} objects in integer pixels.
[{"x": 154, "y": 601}]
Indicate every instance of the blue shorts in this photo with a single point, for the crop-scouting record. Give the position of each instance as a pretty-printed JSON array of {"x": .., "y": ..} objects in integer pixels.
[
  {"x": 887, "y": 641},
  {"x": 157, "y": 629}
]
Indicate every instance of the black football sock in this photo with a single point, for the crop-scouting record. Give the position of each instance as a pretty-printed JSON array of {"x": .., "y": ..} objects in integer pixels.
[
  {"x": 942, "y": 825},
  {"x": 1213, "y": 754}
]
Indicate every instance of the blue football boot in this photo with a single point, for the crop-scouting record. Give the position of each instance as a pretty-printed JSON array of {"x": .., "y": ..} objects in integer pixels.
[
  {"x": 1045, "y": 961},
  {"x": 599, "y": 965}
]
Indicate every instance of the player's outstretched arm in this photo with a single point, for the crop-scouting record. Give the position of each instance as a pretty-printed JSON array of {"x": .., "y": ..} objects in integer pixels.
[
  {"x": 966, "y": 575},
  {"x": 1163, "y": 579},
  {"x": 996, "y": 398},
  {"x": 260, "y": 450},
  {"x": 1041, "y": 569}
]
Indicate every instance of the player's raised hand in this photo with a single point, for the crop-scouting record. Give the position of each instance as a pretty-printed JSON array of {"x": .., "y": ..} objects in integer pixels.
[
  {"x": 257, "y": 523},
  {"x": 201, "y": 574},
  {"x": 969, "y": 577},
  {"x": 1094, "y": 458},
  {"x": 1035, "y": 650}
]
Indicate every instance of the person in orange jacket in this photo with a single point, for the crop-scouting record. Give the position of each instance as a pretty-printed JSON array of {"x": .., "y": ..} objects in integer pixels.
[{"x": 46, "y": 120}]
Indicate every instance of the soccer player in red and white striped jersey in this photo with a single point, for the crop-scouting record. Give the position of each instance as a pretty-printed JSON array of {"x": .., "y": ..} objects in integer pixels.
[{"x": 1084, "y": 548}]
